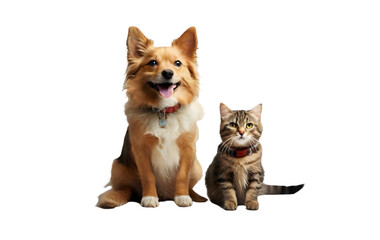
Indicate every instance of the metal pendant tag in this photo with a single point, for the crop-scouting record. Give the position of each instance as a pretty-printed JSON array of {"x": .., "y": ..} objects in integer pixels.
[
  {"x": 162, "y": 119},
  {"x": 163, "y": 123}
]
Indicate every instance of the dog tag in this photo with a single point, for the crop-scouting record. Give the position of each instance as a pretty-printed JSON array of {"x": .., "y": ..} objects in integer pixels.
[
  {"x": 163, "y": 123},
  {"x": 162, "y": 119}
]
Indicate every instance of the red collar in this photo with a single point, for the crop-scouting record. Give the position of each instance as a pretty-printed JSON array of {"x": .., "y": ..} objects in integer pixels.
[
  {"x": 241, "y": 152},
  {"x": 172, "y": 109},
  {"x": 167, "y": 109}
]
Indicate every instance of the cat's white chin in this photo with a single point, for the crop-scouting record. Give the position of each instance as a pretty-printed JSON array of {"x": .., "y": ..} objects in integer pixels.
[{"x": 241, "y": 142}]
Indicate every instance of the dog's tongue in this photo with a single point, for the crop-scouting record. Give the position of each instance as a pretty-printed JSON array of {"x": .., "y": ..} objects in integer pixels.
[{"x": 166, "y": 90}]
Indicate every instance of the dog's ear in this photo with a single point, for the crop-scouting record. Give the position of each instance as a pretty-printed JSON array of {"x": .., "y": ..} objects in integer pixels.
[
  {"x": 137, "y": 43},
  {"x": 188, "y": 42}
]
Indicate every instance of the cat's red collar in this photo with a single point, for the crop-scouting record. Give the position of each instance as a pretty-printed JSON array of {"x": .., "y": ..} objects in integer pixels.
[{"x": 241, "y": 152}]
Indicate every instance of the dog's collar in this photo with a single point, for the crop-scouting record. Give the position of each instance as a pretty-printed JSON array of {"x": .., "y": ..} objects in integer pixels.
[
  {"x": 242, "y": 152},
  {"x": 162, "y": 118},
  {"x": 172, "y": 109},
  {"x": 167, "y": 109}
]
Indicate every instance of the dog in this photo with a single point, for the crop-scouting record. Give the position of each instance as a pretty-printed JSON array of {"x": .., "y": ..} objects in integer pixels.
[{"x": 158, "y": 159}]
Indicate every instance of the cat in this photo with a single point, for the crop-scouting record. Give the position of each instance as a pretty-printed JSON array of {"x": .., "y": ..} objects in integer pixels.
[{"x": 235, "y": 177}]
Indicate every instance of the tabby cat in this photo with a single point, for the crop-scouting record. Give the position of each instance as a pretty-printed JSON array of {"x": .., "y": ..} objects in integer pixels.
[{"x": 235, "y": 177}]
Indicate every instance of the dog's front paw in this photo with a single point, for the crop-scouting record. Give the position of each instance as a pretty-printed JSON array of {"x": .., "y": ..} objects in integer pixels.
[
  {"x": 149, "y": 201},
  {"x": 183, "y": 201}
]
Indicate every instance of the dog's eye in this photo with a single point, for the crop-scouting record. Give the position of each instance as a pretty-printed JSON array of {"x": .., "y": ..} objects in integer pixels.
[
  {"x": 152, "y": 63},
  {"x": 177, "y": 63}
]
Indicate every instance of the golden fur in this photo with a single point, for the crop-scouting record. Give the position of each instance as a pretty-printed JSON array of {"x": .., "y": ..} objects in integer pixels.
[{"x": 158, "y": 163}]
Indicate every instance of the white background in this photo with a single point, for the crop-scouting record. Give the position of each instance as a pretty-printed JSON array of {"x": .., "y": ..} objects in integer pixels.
[{"x": 313, "y": 64}]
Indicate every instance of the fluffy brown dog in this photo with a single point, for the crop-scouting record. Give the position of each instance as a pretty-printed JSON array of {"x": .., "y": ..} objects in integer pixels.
[{"x": 158, "y": 158}]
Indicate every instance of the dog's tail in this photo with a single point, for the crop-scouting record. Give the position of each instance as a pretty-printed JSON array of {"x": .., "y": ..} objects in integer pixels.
[
  {"x": 196, "y": 197},
  {"x": 108, "y": 184},
  {"x": 272, "y": 189}
]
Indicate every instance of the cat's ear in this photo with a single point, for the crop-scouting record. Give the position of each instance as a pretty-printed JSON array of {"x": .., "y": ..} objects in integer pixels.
[
  {"x": 256, "y": 111},
  {"x": 137, "y": 43},
  {"x": 224, "y": 110}
]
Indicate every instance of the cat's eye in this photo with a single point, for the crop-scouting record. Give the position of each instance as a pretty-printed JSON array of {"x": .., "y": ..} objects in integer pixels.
[
  {"x": 177, "y": 63},
  {"x": 233, "y": 125},
  {"x": 249, "y": 125},
  {"x": 152, "y": 63}
]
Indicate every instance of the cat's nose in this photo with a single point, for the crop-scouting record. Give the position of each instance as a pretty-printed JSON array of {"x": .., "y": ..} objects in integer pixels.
[{"x": 241, "y": 133}]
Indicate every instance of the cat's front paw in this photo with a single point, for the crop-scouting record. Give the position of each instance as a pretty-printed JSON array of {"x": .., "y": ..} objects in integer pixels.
[
  {"x": 149, "y": 201},
  {"x": 183, "y": 201},
  {"x": 230, "y": 205},
  {"x": 252, "y": 205}
]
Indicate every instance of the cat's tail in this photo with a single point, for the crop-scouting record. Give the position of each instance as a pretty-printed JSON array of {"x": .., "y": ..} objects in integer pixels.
[
  {"x": 196, "y": 197},
  {"x": 273, "y": 189}
]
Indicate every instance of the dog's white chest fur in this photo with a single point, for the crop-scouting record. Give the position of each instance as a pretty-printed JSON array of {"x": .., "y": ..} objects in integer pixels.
[{"x": 165, "y": 157}]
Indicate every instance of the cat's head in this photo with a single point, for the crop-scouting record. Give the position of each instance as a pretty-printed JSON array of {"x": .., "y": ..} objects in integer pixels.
[{"x": 239, "y": 129}]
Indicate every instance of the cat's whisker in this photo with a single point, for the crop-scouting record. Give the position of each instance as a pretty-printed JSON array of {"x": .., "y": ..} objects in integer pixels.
[
  {"x": 229, "y": 143},
  {"x": 257, "y": 141},
  {"x": 229, "y": 146},
  {"x": 254, "y": 143},
  {"x": 224, "y": 146}
]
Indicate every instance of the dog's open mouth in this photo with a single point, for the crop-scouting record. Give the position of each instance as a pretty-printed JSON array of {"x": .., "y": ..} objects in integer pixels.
[{"x": 165, "y": 89}]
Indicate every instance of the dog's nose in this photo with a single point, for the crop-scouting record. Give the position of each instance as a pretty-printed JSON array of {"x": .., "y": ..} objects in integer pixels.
[{"x": 167, "y": 74}]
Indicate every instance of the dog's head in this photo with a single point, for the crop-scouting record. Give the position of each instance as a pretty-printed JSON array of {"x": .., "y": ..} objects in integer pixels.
[{"x": 161, "y": 76}]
